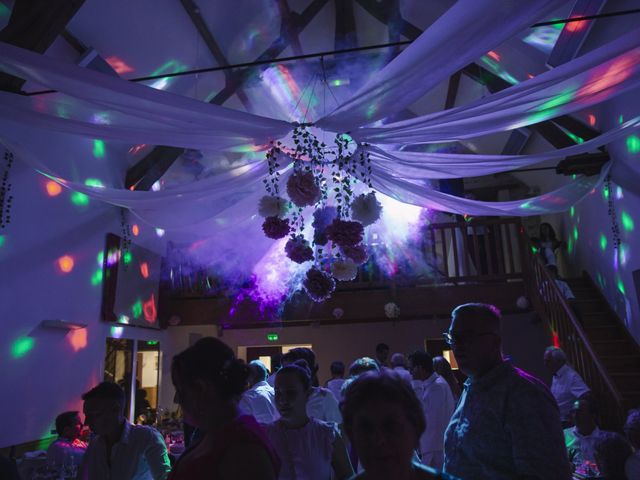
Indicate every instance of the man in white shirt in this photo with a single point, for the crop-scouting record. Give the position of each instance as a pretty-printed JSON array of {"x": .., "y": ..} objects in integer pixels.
[
  {"x": 438, "y": 405},
  {"x": 632, "y": 431},
  {"x": 580, "y": 440},
  {"x": 259, "y": 400},
  {"x": 398, "y": 365},
  {"x": 567, "y": 385},
  {"x": 120, "y": 450},
  {"x": 67, "y": 448},
  {"x": 337, "y": 379}
]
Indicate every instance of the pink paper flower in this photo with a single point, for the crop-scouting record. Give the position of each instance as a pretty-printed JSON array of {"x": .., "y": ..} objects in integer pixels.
[
  {"x": 275, "y": 227},
  {"x": 319, "y": 285},
  {"x": 357, "y": 253},
  {"x": 345, "y": 233},
  {"x": 302, "y": 189},
  {"x": 298, "y": 249}
]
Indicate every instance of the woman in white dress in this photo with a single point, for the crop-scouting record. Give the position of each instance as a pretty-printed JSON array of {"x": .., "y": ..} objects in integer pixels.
[{"x": 309, "y": 449}]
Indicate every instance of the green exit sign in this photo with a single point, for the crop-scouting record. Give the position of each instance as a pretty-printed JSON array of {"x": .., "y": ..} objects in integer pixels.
[{"x": 272, "y": 337}]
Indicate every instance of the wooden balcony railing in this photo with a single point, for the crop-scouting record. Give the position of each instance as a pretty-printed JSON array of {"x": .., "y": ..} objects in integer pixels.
[{"x": 569, "y": 335}]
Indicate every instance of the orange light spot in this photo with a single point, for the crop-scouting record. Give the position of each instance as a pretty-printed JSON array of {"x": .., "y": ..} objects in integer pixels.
[
  {"x": 135, "y": 229},
  {"x": 608, "y": 77},
  {"x": 144, "y": 269},
  {"x": 575, "y": 26},
  {"x": 592, "y": 119},
  {"x": 132, "y": 188},
  {"x": 118, "y": 65},
  {"x": 149, "y": 310},
  {"x": 529, "y": 75},
  {"x": 66, "y": 263},
  {"x": 77, "y": 339},
  {"x": 494, "y": 55},
  {"x": 53, "y": 188}
]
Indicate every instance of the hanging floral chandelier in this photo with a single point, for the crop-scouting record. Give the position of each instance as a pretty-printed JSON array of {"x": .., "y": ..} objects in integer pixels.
[{"x": 324, "y": 180}]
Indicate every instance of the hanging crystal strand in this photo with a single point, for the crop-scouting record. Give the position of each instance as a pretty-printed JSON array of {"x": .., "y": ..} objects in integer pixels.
[{"x": 5, "y": 191}]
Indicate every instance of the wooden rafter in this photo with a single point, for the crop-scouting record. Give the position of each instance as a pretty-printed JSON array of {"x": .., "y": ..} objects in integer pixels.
[
  {"x": 34, "y": 25},
  {"x": 151, "y": 169}
]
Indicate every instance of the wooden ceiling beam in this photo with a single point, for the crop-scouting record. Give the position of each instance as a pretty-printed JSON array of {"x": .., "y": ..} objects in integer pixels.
[
  {"x": 151, "y": 168},
  {"x": 34, "y": 25}
]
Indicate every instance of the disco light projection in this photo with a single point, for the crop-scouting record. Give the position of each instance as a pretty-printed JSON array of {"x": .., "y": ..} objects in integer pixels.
[
  {"x": 544, "y": 38},
  {"x": 591, "y": 118},
  {"x": 113, "y": 256},
  {"x": 98, "y": 148},
  {"x": 119, "y": 65},
  {"x": 100, "y": 258},
  {"x": 627, "y": 222},
  {"x": 66, "y": 263},
  {"x": 136, "y": 309},
  {"x": 620, "y": 286},
  {"x": 77, "y": 339},
  {"x": 116, "y": 332},
  {"x": 93, "y": 182},
  {"x": 149, "y": 310},
  {"x": 624, "y": 254},
  {"x": 123, "y": 319},
  {"x": 127, "y": 257},
  {"x": 96, "y": 278},
  {"x": 172, "y": 66},
  {"x": 575, "y": 26},
  {"x": 572, "y": 211},
  {"x": 53, "y": 188},
  {"x": 135, "y": 229},
  {"x": 603, "y": 242},
  {"x": 2, "y": 240},
  {"x": 21, "y": 346},
  {"x": 619, "y": 193},
  {"x": 575, "y": 233},
  {"x": 160, "y": 232},
  {"x": 144, "y": 270},
  {"x": 633, "y": 144},
  {"x": 79, "y": 199},
  {"x": 491, "y": 61},
  {"x": 286, "y": 92}
]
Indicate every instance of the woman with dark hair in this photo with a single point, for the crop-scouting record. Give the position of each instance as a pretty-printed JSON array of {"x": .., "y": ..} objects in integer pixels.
[
  {"x": 383, "y": 419},
  {"x": 208, "y": 381},
  {"x": 547, "y": 243},
  {"x": 309, "y": 448},
  {"x": 443, "y": 368}
]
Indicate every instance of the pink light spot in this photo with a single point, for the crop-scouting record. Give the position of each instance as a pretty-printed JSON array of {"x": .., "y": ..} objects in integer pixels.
[
  {"x": 592, "y": 119},
  {"x": 149, "y": 309},
  {"x": 494, "y": 55},
  {"x": 119, "y": 65},
  {"x": 144, "y": 270},
  {"x": 575, "y": 26}
]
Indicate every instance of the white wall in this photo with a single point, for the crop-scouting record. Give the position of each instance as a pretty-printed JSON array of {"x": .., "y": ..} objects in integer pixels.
[{"x": 51, "y": 375}]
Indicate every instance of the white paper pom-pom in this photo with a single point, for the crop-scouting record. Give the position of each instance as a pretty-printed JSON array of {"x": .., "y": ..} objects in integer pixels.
[
  {"x": 270, "y": 206},
  {"x": 338, "y": 313},
  {"x": 344, "y": 270},
  {"x": 391, "y": 310},
  {"x": 366, "y": 209},
  {"x": 522, "y": 302}
]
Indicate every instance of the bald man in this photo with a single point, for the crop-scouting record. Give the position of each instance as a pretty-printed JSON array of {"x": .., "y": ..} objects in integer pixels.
[{"x": 506, "y": 424}]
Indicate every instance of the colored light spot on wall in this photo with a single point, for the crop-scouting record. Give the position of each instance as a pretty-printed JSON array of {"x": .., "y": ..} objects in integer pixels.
[
  {"x": 126, "y": 258},
  {"x": 53, "y": 188},
  {"x": 21, "y": 346},
  {"x": 570, "y": 245},
  {"x": 2, "y": 240},
  {"x": 633, "y": 144},
  {"x": 624, "y": 254},
  {"x": 77, "y": 339},
  {"x": 116, "y": 332},
  {"x": 575, "y": 138},
  {"x": 144, "y": 270},
  {"x": 619, "y": 193},
  {"x": 135, "y": 229},
  {"x": 576, "y": 26},
  {"x": 123, "y": 319},
  {"x": 592, "y": 119},
  {"x": 605, "y": 192},
  {"x": 160, "y": 232},
  {"x": 119, "y": 65},
  {"x": 603, "y": 242},
  {"x": 80, "y": 199},
  {"x": 620, "y": 286},
  {"x": 66, "y": 263},
  {"x": 93, "y": 182},
  {"x": 100, "y": 258},
  {"x": 494, "y": 55},
  {"x": 136, "y": 309},
  {"x": 575, "y": 233},
  {"x": 572, "y": 211},
  {"x": 155, "y": 186},
  {"x": 96, "y": 278},
  {"x": 98, "y": 149},
  {"x": 620, "y": 119},
  {"x": 149, "y": 309},
  {"x": 112, "y": 257},
  {"x": 627, "y": 222}
]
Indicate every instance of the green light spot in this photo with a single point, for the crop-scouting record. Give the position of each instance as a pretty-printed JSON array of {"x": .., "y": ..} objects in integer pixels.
[
  {"x": 93, "y": 182},
  {"x": 574, "y": 176},
  {"x": 627, "y": 221},
  {"x": 126, "y": 258},
  {"x": 633, "y": 144},
  {"x": 4, "y": 10},
  {"x": 575, "y": 233},
  {"x": 570, "y": 245},
  {"x": 96, "y": 278},
  {"x": 534, "y": 250},
  {"x": 272, "y": 337},
  {"x": 152, "y": 342},
  {"x": 572, "y": 211},
  {"x": 137, "y": 309},
  {"x": 620, "y": 119},
  {"x": 98, "y": 148},
  {"x": 79, "y": 199},
  {"x": 100, "y": 258},
  {"x": 605, "y": 192},
  {"x": 575, "y": 138},
  {"x": 526, "y": 205},
  {"x": 621, "y": 287},
  {"x": 123, "y": 319},
  {"x": 21, "y": 347},
  {"x": 2, "y": 239},
  {"x": 603, "y": 242}
]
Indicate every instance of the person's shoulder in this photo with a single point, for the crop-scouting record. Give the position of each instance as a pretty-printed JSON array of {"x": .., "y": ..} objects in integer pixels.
[
  {"x": 526, "y": 386},
  {"x": 144, "y": 432}
]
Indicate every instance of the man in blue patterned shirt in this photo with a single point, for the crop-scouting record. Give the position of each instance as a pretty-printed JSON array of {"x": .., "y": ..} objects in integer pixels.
[{"x": 506, "y": 424}]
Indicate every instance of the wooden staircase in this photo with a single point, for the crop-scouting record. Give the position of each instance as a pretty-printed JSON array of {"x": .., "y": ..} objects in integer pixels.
[{"x": 616, "y": 348}]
